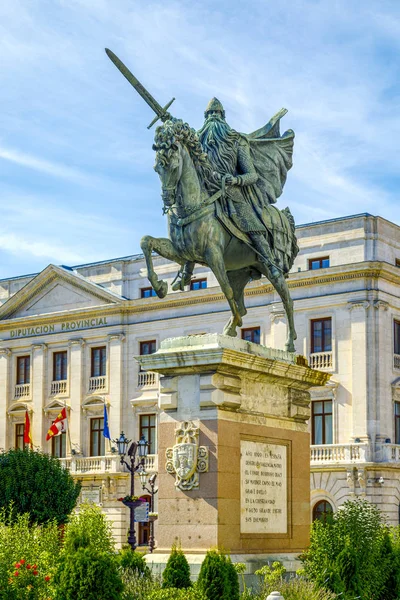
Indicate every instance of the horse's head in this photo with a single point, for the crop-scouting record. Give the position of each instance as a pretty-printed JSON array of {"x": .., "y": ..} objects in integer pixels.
[{"x": 168, "y": 163}]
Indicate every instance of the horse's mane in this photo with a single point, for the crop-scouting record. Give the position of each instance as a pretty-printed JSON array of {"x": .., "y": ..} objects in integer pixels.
[{"x": 165, "y": 144}]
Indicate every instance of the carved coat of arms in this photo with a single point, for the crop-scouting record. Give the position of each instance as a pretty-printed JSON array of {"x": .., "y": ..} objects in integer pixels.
[{"x": 187, "y": 459}]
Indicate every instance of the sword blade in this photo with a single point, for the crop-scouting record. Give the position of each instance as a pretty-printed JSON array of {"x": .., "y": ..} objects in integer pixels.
[{"x": 147, "y": 97}]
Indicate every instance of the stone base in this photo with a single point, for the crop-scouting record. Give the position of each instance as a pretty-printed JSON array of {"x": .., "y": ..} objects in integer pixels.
[{"x": 249, "y": 406}]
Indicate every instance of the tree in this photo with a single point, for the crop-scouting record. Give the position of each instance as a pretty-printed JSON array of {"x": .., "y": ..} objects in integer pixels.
[
  {"x": 213, "y": 578},
  {"x": 352, "y": 555},
  {"x": 36, "y": 483},
  {"x": 177, "y": 571}
]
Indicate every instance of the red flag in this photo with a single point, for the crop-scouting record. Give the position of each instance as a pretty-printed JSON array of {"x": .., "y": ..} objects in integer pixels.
[
  {"x": 59, "y": 425},
  {"x": 27, "y": 430}
]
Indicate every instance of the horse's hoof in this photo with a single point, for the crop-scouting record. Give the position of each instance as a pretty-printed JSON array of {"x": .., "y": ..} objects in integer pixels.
[
  {"x": 231, "y": 331},
  {"x": 178, "y": 286},
  {"x": 161, "y": 289},
  {"x": 290, "y": 347}
]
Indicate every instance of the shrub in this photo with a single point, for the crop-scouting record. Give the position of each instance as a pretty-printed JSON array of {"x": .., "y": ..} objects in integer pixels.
[
  {"x": 35, "y": 544},
  {"x": 351, "y": 555},
  {"x": 175, "y": 594},
  {"x": 28, "y": 581},
  {"x": 300, "y": 589},
  {"x": 37, "y": 484},
  {"x": 270, "y": 576},
  {"x": 137, "y": 587},
  {"x": 88, "y": 574},
  {"x": 134, "y": 563},
  {"x": 88, "y": 528},
  {"x": 233, "y": 580},
  {"x": 214, "y": 580},
  {"x": 177, "y": 571}
]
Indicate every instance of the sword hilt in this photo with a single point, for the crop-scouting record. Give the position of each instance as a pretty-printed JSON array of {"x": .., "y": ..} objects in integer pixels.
[{"x": 163, "y": 114}]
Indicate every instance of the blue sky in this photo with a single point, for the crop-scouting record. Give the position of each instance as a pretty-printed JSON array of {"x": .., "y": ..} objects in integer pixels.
[{"x": 76, "y": 177}]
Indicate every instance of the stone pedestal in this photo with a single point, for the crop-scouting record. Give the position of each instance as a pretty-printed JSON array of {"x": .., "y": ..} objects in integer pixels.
[{"x": 251, "y": 406}]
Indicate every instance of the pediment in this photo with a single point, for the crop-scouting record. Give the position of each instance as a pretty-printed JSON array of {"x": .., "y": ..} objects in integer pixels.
[{"x": 56, "y": 290}]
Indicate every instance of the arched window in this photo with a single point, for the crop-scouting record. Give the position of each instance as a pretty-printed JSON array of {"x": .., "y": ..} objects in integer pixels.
[{"x": 322, "y": 511}]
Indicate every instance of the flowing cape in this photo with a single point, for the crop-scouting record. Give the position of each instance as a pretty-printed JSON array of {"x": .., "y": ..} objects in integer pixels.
[{"x": 272, "y": 156}]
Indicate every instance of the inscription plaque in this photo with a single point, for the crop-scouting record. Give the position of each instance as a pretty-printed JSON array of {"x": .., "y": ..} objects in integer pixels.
[
  {"x": 263, "y": 498},
  {"x": 92, "y": 495}
]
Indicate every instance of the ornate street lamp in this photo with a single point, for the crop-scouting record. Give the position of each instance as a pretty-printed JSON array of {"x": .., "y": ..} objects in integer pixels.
[
  {"x": 152, "y": 482},
  {"x": 140, "y": 448}
]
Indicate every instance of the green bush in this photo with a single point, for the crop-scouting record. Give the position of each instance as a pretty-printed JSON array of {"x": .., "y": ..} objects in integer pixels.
[
  {"x": 88, "y": 574},
  {"x": 300, "y": 589},
  {"x": 233, "y": 580},
  {"x": 176, "y": 594},
  {"x": 177, "y": 571},
  {"x": 36, "y": 483},
  {"x": 351, "y": 555},
  {"x": 134, "y": 562},
  {"x": 214, "y": 578},
  {"x": 32, "y": 543},
  {"x": 88, "y": 528},
  {"x": 137, "y": 587},
  {"x": 270, "y": 577}
]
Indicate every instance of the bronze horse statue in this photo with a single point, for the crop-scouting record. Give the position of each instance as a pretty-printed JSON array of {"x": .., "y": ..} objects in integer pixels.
[{"x": 200, "y": 232}]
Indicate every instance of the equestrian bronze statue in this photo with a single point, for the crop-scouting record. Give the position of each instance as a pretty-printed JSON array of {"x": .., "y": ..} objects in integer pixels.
[{"x": 219, "y": 188}]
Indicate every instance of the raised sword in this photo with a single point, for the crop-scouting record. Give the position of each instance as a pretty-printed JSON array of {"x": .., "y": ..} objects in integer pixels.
[{"x": 161, "y": 112}]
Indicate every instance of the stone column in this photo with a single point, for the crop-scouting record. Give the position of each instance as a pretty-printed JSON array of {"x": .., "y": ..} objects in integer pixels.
[
  {"x": 382, "y": 359},
  {"x": 246, "y": 486},
  {"x": 278, "y": 328},
  {"x": 361, "y": 370},
  {"x": 116, "y": 387},
  {"x": 76, "y": 389},
  {"x": 39, "y": 395},
  {"x": 5, "y": 364}
]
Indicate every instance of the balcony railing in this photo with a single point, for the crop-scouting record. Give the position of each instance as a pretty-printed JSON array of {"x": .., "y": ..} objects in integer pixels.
[
  {"x": 321, "y": 360},
  {"x": 388, "y": 453},
  {"x": 103, "y": 464},
  {"x": 97, "y": 383},
  {"x": 147, "y": 379},
  {"x": 339, "y": 453},
  {"x": 22, "y": 390},
  {"x": 58, "y": 387},
  {"x": 396, "y": 361}
]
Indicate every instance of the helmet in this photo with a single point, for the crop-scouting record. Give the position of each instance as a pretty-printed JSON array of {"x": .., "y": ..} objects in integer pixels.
[{"x": 214, "y": 104}]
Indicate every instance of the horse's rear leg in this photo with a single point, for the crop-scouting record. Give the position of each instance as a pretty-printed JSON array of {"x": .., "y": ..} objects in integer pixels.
[
  {"x": 164, "y": 247},
  {"x": 215, "y": 261}
]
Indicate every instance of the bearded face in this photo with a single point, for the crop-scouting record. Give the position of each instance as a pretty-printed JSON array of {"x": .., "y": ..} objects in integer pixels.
[{"x": 218, "y": 141}]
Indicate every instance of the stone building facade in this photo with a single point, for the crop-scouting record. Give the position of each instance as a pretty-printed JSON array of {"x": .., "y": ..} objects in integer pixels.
[{"x": 68, "y": 337}]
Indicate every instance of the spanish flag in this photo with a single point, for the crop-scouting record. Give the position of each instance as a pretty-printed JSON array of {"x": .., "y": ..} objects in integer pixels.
[
  {"x": 27, "y": 431},
  {"x": 59, "y": 425}
]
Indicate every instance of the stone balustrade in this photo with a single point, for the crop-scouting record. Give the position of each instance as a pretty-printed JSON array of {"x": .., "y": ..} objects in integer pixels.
[
  {"x": 58, "y": 387},
  {"x": 97, "y": 384},
  {"x": 388, "y": 453},
  {"x": 103, "y": 464},
  {"x": 147, "y": 379},
  {"x": 339, "y": 453},
  {"x": 22, "y": 390},
  {"x": 322, "y": 361}
]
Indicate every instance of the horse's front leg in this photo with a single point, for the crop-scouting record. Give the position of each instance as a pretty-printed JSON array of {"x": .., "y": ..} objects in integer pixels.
[{"x": 164, "y": 247}]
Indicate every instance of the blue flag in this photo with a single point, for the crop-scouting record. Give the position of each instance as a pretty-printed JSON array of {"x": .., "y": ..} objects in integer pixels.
[{"x": 106, "y": 431}]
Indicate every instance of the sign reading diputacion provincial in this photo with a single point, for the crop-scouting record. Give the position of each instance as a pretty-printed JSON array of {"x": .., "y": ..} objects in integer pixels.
[{"x": 263, "y": 498}]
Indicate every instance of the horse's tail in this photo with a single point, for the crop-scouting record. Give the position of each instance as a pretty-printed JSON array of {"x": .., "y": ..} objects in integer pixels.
[{"x": 294, "y": 248}]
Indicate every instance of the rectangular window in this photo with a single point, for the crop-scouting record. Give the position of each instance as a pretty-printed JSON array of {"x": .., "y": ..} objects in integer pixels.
[
  {"x": 321, "y": 335},
  {"x": 148, "y": 429},
  {"x": 396, "y": 348},
  {"x": 96, "y": 437},
  {"x": 147, "y": 292},
  {"x": 23, "y": 370},
  {"x": 60, "y": 365},
  {"x": 321, "y": 422},
  {"x": 59, "y": 445},
  {"x": 251, "y": 334},
  {"x": 397, "y": 422},
  {"x": 318, "y": 263},
  {"x": 148, "y": 347},
  {"x": 198, "y": 284},
  {"x": 19, "y": 436},
  {"x": 99, "y": 362}
]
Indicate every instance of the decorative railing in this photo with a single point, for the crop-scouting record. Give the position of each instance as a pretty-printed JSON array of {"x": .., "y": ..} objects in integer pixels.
[
  {"x": 22, "y": 390},
  {"x": 388, "y": 453},
  {"x": 97, "y": 383},
  {"x": 321, "y": 360},
  {"x": 147, "y": 378},
  {"x": 340, "y": 453},
  {"x": 396, "y": 361},
  {"x": 58, "y": 387},
  {"x": 104, "y": 464},
  {"x": 151, "y": 463}
]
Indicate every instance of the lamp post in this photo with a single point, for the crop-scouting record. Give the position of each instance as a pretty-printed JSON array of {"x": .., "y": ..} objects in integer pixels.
[
  {"x": 141, "y": 449},
  {"x": 152, "y": 492}
]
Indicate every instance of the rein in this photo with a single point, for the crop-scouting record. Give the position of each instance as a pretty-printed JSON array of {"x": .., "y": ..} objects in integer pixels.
[{"x": 197, "y": 213}]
